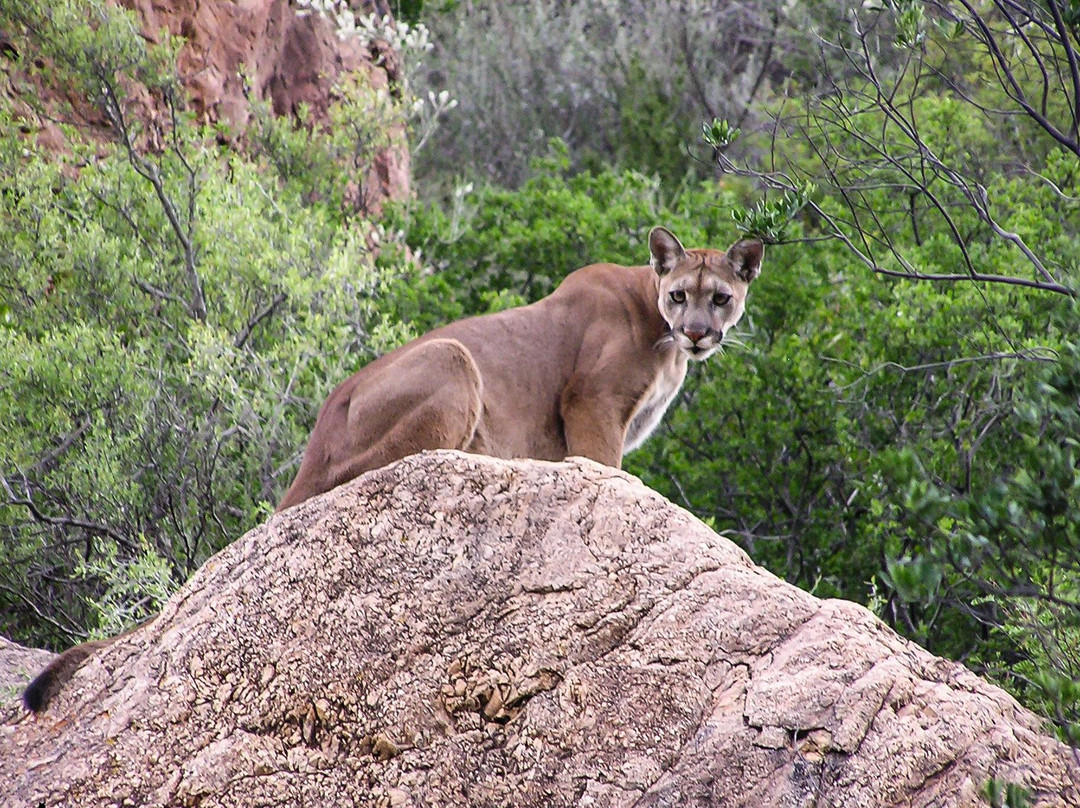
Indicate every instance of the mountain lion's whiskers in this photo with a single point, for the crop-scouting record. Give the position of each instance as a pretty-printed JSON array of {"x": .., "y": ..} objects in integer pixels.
[{"x": 667, "y": 339}]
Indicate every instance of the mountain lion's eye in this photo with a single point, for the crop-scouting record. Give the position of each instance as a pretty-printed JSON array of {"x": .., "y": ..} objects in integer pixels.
[
  {"x": 720, "y": 299},
  {"x": 678, "y": 296}
]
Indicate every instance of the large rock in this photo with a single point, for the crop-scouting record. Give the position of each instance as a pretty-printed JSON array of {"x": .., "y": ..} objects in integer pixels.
[
  {"x": 18, "y": 665},
  {"x": 457, "y": 630}
]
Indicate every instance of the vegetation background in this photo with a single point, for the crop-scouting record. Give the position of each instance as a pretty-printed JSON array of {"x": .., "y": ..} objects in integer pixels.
[{"x": 898, "y": 422}]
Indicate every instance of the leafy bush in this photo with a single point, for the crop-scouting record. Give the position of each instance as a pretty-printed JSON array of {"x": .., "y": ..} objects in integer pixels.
[
  {"x": 169, "y": 323},
  {"x": 623, "y": 82}
]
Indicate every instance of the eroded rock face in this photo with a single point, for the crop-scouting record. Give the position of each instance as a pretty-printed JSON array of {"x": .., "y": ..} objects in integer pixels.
[
  {"x": 236, "y": 52},
  {"x": 459, "y": 630},
  {"x": 264, "y": 49}
]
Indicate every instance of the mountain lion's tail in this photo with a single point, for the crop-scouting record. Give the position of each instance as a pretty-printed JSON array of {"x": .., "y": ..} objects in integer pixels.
[{"x": 48, "y": 683}]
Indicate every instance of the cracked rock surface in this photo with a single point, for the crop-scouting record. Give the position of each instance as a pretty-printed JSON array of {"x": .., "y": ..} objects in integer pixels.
[{"x": 458, "y": 630}]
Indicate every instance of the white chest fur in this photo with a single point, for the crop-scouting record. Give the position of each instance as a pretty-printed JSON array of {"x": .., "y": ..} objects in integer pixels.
[{"x": 650, "y": 409}]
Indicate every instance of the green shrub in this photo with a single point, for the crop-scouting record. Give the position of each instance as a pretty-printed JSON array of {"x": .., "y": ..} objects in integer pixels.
[{"x": 169, "y": 323}]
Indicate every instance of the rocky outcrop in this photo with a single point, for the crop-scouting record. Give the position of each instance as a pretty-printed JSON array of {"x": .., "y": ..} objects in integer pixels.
[
  {"x": 457, "y": 630},
  {"x": 237, "y": 52},
  {"x": 18, "y": 665},
  {"x": 234, "y": 52}
]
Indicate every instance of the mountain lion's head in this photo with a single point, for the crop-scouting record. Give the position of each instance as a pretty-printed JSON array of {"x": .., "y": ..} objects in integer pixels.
[{"x": 702, "y": 292}]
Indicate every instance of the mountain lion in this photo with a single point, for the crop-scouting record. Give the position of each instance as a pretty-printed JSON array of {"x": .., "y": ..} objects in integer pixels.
[{"x": 588, "y": 370}]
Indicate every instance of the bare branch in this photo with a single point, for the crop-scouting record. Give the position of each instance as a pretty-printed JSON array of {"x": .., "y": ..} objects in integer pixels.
[
  {"x": 148, "y": 171},
  {"x": 69, "y": 440},
  {"x": 1073, "y": 60},
  {"x": 62, "y": 521},
  {"x": 245, "y": 334},
  {"x": 1026, "y": 355},
  {"x": 1010, "y": 82}
]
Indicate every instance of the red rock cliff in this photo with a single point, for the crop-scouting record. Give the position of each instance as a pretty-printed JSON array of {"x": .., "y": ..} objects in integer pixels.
[{"x": 234, "y": 53}]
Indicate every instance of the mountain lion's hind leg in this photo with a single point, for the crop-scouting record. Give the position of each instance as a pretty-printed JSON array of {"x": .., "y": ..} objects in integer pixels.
[{"x": 428, "y": 398}]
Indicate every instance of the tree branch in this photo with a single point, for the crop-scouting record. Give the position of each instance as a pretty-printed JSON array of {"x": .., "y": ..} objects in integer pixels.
[
  {"x": 113, "y": 111},
  {"x": 243, "y": 336},
  {"x": 63, "y": 521}
]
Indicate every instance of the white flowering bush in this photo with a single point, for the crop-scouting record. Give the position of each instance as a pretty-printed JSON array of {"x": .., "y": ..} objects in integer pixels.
[
  {"x": 408, "y": 40},
  {"x": 336, "y": 11},
  {"x": 411, "y": 42}
]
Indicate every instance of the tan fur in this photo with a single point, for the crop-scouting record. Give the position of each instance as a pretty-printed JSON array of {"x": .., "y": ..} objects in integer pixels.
[{"x": 588, "y": 370}]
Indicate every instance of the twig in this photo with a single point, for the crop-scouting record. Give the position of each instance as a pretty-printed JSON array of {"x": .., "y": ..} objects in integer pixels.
[
  {"x": 62, "y": 521},
  {"x": 243, "y": 336}
]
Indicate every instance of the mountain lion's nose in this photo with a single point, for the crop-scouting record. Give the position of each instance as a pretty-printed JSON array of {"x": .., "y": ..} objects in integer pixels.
[{"x": 694, "y": 334}]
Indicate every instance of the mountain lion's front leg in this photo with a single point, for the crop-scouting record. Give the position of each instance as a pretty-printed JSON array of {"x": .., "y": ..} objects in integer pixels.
[{"x": 593, "y": 422}]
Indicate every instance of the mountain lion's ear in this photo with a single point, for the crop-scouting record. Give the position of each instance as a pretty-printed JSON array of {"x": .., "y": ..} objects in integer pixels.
[
  {"x": 664, "y": 250},
  {"x": 746, "y": 257}
]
